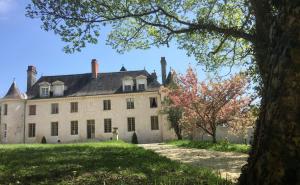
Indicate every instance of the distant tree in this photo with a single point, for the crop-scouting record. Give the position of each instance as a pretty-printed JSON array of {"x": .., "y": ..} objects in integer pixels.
[
  {"x": 207, "y": 105},
  {"x": 134, "y": 139}
]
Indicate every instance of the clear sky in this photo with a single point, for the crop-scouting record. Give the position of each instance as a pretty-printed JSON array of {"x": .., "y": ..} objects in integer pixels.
[{"x": 23, "y": 43}]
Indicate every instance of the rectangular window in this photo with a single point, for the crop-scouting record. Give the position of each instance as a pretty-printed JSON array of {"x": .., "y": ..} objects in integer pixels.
[
  {"x": 130, "y": 103},
  {"x": 5, "y": 131},
  {"x": 127, "y": 88},
  {"x": 154, "y": 123},
  {"x": 45, "y": 91},
  {"x": 31, "y": 130},
  {"x": 107, "y": 125},
  {"x": 131, "y": 124},
  {"x": 153, "y": 102},
  {"x": 74, "y": 107},
  {"x": 54, "y": 108},
  {"x": 32, "y": 110},
  {"x": 106, "y": 105},
  {"x": 141, "y": 87},
  {"x": 74, "y": 127},
  {"x": 5, "y": 109},
  {"x": 54, "y": 129}
]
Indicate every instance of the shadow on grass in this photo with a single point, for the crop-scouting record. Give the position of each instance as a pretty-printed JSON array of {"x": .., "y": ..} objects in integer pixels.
[{"x": 95, "y": 163}]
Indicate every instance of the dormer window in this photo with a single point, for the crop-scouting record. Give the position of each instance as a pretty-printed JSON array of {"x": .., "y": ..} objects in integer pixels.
[
  {"x": 141, "y": 82},
  {"x": 127, "y": 88},
  {"x": 141, "y": 87},
  {"x": 58, "y": 88},
  {"x": 44, "y": 89},
  {"x": 127, "y": 84}
]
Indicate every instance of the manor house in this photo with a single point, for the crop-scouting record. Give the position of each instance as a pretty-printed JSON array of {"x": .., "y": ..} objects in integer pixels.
[{"x": 81, "y": 107}]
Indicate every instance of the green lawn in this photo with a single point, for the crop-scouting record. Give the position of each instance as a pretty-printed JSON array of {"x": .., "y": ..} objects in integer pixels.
[
  {"x": 219, "y": 146},
  {"x": 95, "y": 163}
]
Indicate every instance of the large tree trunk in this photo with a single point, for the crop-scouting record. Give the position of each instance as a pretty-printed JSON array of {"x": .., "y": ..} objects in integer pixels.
[{"x": 275, "y": 155}]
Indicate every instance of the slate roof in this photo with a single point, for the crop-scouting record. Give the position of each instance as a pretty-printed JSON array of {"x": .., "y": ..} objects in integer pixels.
[
  {"x": 85, "y": 85},
  {"x": 13, "y": 92}
]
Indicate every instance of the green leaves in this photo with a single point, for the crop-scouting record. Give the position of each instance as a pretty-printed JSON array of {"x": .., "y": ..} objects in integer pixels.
[{"x": 217, "y": 33}]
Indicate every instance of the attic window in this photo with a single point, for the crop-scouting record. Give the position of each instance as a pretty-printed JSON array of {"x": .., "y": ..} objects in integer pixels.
[
  {"x": 127, "y": 88},
  {"x": 44, "y": 91},
  {"x": 141, "y": 87}
]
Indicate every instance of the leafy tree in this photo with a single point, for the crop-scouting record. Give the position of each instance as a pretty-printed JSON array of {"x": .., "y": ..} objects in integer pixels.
[
  {"x": 217, "y": 33},
  {"x": 208, "y": 105},
  {"x": 174, "y": 113}
]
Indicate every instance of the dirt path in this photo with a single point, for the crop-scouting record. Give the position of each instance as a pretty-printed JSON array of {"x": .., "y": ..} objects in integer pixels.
[{"x": 228, "y": 164}]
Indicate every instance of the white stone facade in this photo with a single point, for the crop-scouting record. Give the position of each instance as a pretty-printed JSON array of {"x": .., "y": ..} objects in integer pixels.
[{"x": 89, "y": 108}]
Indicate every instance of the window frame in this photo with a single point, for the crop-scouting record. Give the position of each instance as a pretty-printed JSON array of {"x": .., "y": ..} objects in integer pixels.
[
  {"x": 126, "y": 89},
  {"x": 74, "y": 107},
  {"x": 152, "y": 106},
  {"x": 32, "y": 112},
  {"x": 106, "y": 105},
  {"x": 74, "y": 128},
  {"x": 142, "y": 89},
  {"x": 45, "y": 91},
  {"x": 54, "y": 110},
  {"x": 131, "y": 124},
  {"x": 31, "y": 130},
  {"x": 54, "y": 129},
  {"x": 5, "y": 109},
  {"x": 107, "y": 123},
  {"x": 130, "y": 103},
  {"x": 154, "y": 123},
  {"x": 5, "y": 130}
]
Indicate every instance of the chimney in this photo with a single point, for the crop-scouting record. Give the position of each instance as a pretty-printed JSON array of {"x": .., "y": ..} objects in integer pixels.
[
  {"x": 31, "y": 77},
  {"x": 163, "y": 63},
  {"x": 153, "y": 75},
  {"x": 95, "y": 68}
]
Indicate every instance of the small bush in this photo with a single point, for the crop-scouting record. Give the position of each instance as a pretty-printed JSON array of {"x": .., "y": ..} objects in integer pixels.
[
  {"x": 134, "y": 139},
  {"x": 44, "y": 141}
]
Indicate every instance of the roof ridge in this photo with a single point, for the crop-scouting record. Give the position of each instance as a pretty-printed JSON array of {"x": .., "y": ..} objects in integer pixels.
[{"x": 98, "y": 73}]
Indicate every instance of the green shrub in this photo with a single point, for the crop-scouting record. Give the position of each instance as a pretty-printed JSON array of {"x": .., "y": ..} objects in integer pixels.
[
  {"x": 44, "y": 141},
  {"x": 134, "y": 139}
]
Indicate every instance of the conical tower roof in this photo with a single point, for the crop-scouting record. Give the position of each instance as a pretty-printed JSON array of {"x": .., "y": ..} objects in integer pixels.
[
  {"x": 13, "y": 92},
  {"x": 123, "y": 69}
]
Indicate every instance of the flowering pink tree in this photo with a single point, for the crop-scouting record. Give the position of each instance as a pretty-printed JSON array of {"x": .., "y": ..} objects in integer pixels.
[{"x": 215, "y": 102}]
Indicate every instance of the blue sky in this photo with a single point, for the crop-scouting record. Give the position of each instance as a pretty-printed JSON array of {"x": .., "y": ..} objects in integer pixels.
[{"x": 23, "y": 43}]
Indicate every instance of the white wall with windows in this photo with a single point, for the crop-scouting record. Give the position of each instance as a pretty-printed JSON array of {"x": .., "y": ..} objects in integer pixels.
[{"x": 149, "y": 124}]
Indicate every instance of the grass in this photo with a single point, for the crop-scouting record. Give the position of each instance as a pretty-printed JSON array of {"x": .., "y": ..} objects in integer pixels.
[
  {"x": 219, "y": 146},
  {"x": 109, "y": 163}
]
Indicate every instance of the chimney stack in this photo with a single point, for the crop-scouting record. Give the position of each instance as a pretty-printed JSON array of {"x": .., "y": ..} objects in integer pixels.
[
  {"x": 95, "y": 68},
  {"x": 163, "y": 63},
  {"x": 31, "y": 77}
]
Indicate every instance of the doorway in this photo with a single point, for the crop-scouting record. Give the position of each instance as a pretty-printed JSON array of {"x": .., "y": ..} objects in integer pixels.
[{"x": 91, "y": 129}]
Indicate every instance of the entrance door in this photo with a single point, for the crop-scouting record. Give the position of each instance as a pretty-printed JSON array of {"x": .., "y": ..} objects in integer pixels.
[{"x": 91, "y": 129}]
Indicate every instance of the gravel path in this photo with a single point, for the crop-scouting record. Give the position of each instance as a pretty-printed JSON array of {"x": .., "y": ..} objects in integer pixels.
[{"x": 228, "y": 164}]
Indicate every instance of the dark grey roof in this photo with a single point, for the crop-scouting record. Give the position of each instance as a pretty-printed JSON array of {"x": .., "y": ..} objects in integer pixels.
[
  {"x": 85, "y": 85},
  {"x": 13, "y": 92}
]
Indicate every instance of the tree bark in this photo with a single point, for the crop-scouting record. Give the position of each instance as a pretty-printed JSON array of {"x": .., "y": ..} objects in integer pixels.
[{"x": 275, "y": 155}]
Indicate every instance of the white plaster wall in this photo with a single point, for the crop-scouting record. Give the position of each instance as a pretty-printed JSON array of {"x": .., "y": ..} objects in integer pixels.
[
  {"x": 14, "y": 121},
  {"x": 91, "y": 108},
  {"x": 224, "y": 133}
]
